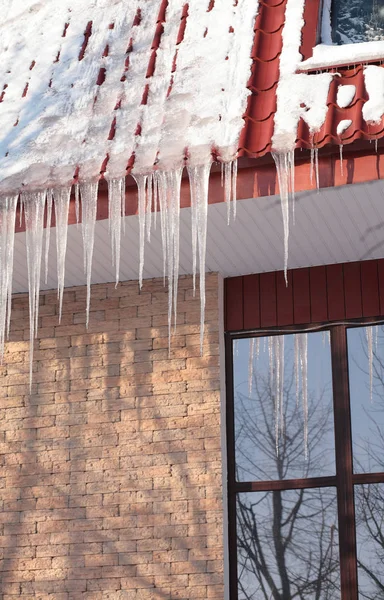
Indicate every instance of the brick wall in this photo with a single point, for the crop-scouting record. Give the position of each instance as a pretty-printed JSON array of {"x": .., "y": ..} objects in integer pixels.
[{"x": 110, "y": 472}]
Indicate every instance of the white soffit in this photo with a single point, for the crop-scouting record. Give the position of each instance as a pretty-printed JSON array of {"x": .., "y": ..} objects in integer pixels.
[{"x": 334, "y": 225}]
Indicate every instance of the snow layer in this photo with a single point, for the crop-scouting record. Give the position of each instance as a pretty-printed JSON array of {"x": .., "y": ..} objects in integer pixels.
[
  {"x": 345, "y": 95},
  {"x": 343, "y": 126},
  {"x": 325, "y": 55},
  {"x": 70, "y": 98},
  {"x": 373, "y": 109}
]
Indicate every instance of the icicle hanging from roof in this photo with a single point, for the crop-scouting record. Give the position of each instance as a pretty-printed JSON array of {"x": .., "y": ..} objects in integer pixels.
[
  {"x": 7, "y": 234},
  {"x": 61, "y": 198},
  {"x": 34, "y": 204}
]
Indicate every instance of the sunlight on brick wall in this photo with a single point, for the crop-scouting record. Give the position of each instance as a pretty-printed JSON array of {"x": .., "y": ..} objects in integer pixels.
[{"x": 110, "y": 480}]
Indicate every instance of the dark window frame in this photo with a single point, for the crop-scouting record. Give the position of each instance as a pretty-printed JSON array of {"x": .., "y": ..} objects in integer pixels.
[{"x": 344, "y": 480}]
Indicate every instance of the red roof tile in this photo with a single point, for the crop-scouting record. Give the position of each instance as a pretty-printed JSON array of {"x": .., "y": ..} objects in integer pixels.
[{"x": 255, "y": 140}]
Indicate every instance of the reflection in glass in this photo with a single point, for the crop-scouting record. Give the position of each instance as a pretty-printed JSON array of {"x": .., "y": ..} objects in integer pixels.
[
  {"x": 369, "y": 502},
  {"x": 287, "y": 545},
  {"x": 357, "y": 21},
  {"x": 255, "y": 411},
  {"x": 366, "y": 380}
]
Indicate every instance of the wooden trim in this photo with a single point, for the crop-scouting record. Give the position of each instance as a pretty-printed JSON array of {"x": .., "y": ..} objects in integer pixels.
[
  {"x": 364, "y": 478},
  {"x": 284, "y": 484},
  {"x": 344, "y": 464}
]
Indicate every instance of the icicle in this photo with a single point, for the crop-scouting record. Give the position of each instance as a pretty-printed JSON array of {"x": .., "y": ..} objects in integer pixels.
[
  {"x": 251, "y": 357},
  {"x": 281, "y": 386},
  {"x": 199, "y": 180},
  {"x": 61, "y": 197},
  {"x": 48, "y": 231},
  {"x": 297, "y": 366},
  {"x": 7, "y": 237},
  {"x": 148, "y": 208},
  {"x": 21, "y": 206},
  {"x": 285, "y": 165},
  {"x": 317, "y": 168},
  {"x": 169, "y": 194},
  {"x": 194, "y": 236},
  {"x": 236, "y": 348},
  {"x": 304, "y": 385},
  {"x": 341, "y": 159},
  {"x": 276, "y": 368},
  {"x": 34, "y": 203},
  {"x": 88, "y": 193},
  {"x": 257, "y": 348},
  {"x": 312, "y": 168},
  {"x": 368, "y": 333},
  {"x": 234, "y": 187},
  {"x": 162, "y": 193},
  {"x": 155, "y": 200},
  {"x": 77, "y": 203},
  {"x": 141, "y": 181},
  {"x": 228, "y": 188},
  {"x": 116, "y": 197},
  {"x": 376, "y": 143}
]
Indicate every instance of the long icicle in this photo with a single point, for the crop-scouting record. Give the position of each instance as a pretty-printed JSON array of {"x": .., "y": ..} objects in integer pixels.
[
  {"x": 7, "y": 237},
  {"x": 369, "y": 335},
  {"x": 88, "y": 193},
  {"x": 304, "y": 386},
  {"x": 199, "y": 180},
  {"x": 34, "y": 203},
  {"x": 251, "y": 359},
  {"x": 48, "y": 230},
  {"x": 116, "y": 198},
  {"x": 61, "y": 197},
  {"x": 141, "y": 181},
  {"x": 284, "y": 165}
]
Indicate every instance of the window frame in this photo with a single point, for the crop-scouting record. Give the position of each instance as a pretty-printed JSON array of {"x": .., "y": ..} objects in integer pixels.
[
  {"x": 344, "y": 480},
  {"x": 312, "y": 34}
]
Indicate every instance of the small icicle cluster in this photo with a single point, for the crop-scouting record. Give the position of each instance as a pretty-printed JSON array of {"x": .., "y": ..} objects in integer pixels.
[
  {"x": 285, "y": 167},
  {"x": 158, "y": 191},
  {"x": 276, "y": 383},
  {"x": 301, "y": 380},
  {"x": 371, "y": 333}
]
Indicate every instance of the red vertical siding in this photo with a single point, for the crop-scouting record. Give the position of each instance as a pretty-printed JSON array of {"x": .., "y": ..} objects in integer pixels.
[
  {"x": 352, "y": 290},
  {"x": 251, "y": 289},
  {"x": 301, "y": 296},
  {"x": 284, "y": 299},
  {"x": 335, "y": 292},
  {"x": 234, "y": 319},
  {"x": 370, "y": 288},
  {"x": 268, "y": 300},
  {"x": 313, "y": 295},
  {"x": 318, "y": 294}
]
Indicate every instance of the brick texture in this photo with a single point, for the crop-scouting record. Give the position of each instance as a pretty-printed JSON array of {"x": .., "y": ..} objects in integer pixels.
[{"x": 110, "y": 471}]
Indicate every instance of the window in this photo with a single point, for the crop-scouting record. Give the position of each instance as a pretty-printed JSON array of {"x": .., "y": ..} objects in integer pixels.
[
  {"x": 354, "y": 21},
  {"x": 305, "y": 427}
]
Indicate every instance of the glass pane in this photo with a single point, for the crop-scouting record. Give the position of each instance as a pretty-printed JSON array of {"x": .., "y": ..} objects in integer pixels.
[
  {"x": 369, "y": 502},
  {"x": 287, "y": 545},
  {"x": 267, "y": 411},
  {"x": 357, "y": 21},
  {"x": 366, "y": 380}
]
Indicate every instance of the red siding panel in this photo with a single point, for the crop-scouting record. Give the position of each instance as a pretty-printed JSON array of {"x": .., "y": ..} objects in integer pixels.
[
  {"x": 352, "y": 290},
  {"x": 234, "y": 320},
  {"x": 318, "y": 294},
  {"x": 268, "y": 313},
  {"x": 380, "y": 268},
  {"x": 335, "y": 292},
  {"x": 251, "y": 288},
  {"x": 301, "y": 296},
  {"x": 284, "y": 299},
  {"x": 370, "y": 288}
]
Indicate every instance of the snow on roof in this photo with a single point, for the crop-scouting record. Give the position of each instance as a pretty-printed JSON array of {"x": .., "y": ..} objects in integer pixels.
[{"x": 100, "y": 85}]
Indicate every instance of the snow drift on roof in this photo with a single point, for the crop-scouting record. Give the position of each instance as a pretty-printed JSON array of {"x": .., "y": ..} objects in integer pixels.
[{"x": 94, "y": 85}]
